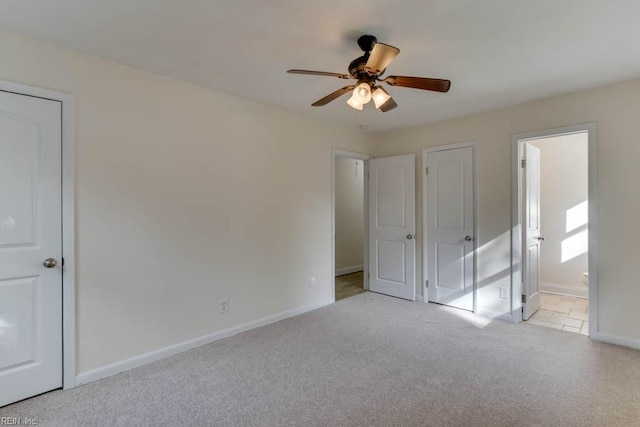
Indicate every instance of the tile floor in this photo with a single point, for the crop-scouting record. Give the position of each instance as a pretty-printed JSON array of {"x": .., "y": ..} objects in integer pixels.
[
  {"x": 349, "y": 285},
  {"x": 562, "y": 312}
]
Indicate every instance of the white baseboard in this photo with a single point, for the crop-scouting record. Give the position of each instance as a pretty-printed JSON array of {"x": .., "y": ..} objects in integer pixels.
[
  {"x": 349, "y": 270},
  {"x": 419, "y": 298},
  {"x": 572, "y": 291},
  {"x": 614, "y": 339},
  {"x": 162, "y": 353}
]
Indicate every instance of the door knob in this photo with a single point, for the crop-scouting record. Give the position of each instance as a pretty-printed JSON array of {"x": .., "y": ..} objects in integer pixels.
[
  {"x": 409, "y": 236},
  {"x": 468, "y": 238},
  {"x": 50, "y": 262},
  {"x": 541, "y": 238}
]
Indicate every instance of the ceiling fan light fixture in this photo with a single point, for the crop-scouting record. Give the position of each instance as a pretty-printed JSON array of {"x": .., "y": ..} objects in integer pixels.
[
  {"x": 380, "y": 96},
  {"x": 354, "y": 102},
  {"x": 366, "y": 70},
  {"x": 362, "y": 93}
]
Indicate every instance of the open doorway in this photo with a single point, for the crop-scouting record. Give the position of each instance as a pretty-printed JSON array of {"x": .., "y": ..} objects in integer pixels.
[
  {"x": 350, "y": 225},
  {"x": 554, "y": 198}
]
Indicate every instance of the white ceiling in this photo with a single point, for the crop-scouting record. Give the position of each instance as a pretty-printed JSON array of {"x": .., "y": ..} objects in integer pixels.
[{"x": 495, "y": 52}]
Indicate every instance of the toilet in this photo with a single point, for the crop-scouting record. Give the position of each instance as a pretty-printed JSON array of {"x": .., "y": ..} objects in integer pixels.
[{"x": 585, "y": 279}]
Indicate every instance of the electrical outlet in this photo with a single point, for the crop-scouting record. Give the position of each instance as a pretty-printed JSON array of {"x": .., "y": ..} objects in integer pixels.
[
  {"x": 224, "y": 306},
  {"x": 312, "y": 282},
  {"x": 504, "y": 293}
]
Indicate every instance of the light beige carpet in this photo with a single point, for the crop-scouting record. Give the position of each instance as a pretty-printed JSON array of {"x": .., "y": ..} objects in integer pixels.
[{"x": 367, "y": 360}]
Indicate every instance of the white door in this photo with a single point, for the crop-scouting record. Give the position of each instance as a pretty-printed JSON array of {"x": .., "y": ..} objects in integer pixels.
[
  {"x": 30, "y": 233},
  {"x": 450, "y": 227},
  {"x": 532, "y": 237},
  {"x": 392, "y": 245}
]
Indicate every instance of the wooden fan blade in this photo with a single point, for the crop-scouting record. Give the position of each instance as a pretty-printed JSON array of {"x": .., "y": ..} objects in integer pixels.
[
  {"x": 436, "y": 85},
  {"x": 320, "y": 73},
  {"x": 327, "y": 99},
  {"x": 388, "y": 106},
  {"x": 381, "y": 56}
]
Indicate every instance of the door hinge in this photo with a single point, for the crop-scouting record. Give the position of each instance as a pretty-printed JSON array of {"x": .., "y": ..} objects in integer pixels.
[
  {"x": 426, "y": 171},
  {"x": 63, "y": 261},
  {"x": 426, "y": 283},
  {"x": 524, "y": 299},
  {"x": 523, "y": 163}
]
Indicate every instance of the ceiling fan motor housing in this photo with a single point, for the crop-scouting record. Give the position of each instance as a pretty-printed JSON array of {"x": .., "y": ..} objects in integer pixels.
[
  {"x": 357, "y": 71},
  {"x": 357, "y": 66}
]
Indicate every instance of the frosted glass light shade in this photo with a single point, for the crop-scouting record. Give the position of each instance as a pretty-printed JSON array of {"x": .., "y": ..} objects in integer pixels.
[
  {"x": 354, "y": 102},
  {"x": 380, "y": 96},
  {"x": 362, "y": 93}
]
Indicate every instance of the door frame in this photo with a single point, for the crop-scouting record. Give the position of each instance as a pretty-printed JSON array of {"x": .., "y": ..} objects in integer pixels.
[
  {"x": 425, "y": 272},
  {"x": 335, "y": 153},
  {"x": 68, "y": 221},
  {"x": 517, "y": 144}
]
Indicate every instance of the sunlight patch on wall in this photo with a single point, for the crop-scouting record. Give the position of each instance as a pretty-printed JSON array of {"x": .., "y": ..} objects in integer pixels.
[
  {"x": 577, "y": 216},
  {"x": 575, "y": 245},
  {"x": 495, "y": 255}
]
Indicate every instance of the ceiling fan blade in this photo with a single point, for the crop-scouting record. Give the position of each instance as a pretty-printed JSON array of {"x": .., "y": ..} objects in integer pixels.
[
  {"x": 436, "y": 85},
  {"x": 327, "y": 99},
  {"x": 320, "y": 73},
  {"x": 381, "y": 56},
  {"x": 388, "y": 106}
]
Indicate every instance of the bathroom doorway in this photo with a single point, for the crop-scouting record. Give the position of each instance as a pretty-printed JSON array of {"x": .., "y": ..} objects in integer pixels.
[
  {"x": 554, "y": 201},
  {"x": 350, "y": 220}
]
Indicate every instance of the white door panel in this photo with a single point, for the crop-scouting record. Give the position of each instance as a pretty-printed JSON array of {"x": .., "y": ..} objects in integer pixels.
[
  {"x": 450, "y": 227},
  {"x": 392, "y": 226},
  {"x": 30, "y": 232},
  {"x": 450, "y": 275},
  {"x": 531, "y": 260}
]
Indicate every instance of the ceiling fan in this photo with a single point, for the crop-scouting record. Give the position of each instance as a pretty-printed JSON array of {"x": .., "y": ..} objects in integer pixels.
[{"x": 367, "y": 70}]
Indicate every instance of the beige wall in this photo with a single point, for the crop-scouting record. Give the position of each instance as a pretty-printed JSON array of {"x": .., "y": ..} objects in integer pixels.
[
  {"x": 615, "y": 109},
  {"x": 185, "y": 196},
  {"x": 564, "y": 193},
  {"x": 349, "y": 214}
]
